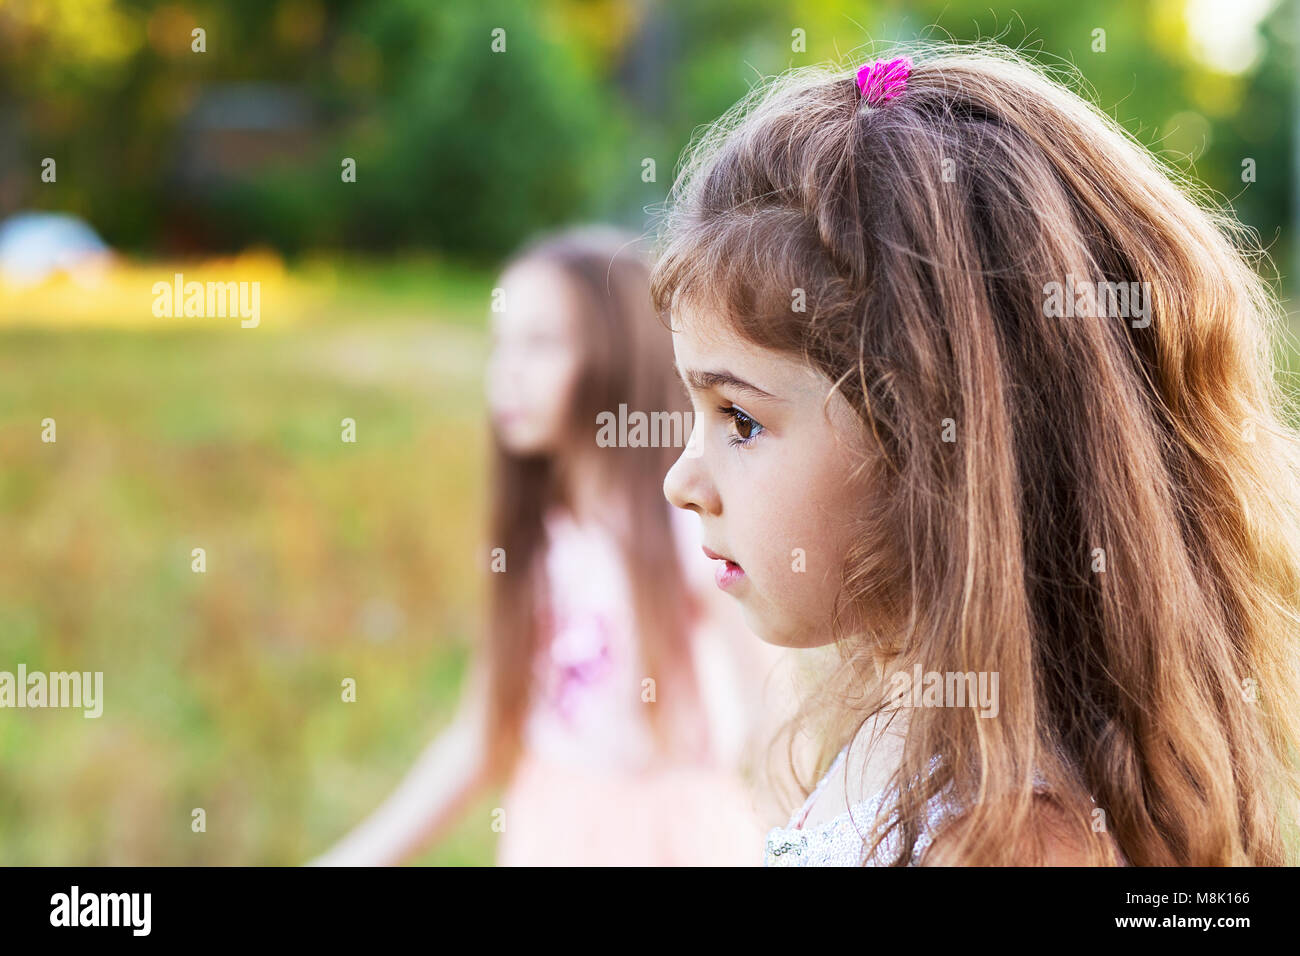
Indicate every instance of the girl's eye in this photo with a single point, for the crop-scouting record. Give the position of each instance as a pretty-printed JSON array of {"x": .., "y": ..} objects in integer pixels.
[{"x": 747, "y": 429}]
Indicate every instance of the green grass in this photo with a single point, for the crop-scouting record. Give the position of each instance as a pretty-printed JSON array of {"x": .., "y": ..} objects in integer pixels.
[{"x": 325, "y": 560}]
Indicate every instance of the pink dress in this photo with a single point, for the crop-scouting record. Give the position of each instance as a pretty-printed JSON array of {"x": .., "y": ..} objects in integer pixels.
[{"x": 589, "y": 789}]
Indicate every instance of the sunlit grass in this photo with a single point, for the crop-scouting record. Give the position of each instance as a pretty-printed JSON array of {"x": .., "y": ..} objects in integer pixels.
[{"x": 325, "y": 560}]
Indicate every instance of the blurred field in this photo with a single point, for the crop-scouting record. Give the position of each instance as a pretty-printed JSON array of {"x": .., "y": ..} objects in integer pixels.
[{"x": 325, "y": 560}]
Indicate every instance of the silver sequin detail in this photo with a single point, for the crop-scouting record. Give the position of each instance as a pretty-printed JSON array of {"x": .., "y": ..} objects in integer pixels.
[{"x": 841, "y": 841}]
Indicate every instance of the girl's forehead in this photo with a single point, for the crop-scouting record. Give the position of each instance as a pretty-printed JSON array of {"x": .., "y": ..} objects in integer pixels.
[
  {"x": 704, "y": 329},
  {"x": 538, "y": 282},
  {"x": 703, "y": 345},
  {"x": 533, "y": 297},
  {"x": 700, "y": 340}
]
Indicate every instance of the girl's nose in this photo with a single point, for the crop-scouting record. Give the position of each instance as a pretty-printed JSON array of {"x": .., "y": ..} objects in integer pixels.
[{"x": 688, "y": 485}]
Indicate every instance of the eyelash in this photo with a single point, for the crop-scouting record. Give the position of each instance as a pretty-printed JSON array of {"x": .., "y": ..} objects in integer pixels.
[{"x": 734, "y": 413}]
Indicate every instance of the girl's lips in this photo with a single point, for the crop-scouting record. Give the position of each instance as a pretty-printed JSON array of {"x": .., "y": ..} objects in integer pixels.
[{"x": 729, "y": 573}]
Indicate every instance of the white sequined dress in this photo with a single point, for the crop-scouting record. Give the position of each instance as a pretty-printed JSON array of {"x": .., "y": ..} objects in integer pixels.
[{"x": 841, "y": 841}]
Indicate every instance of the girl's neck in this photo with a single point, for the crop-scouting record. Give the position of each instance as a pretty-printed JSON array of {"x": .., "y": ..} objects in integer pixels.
[{"x": 584, "y": 490}]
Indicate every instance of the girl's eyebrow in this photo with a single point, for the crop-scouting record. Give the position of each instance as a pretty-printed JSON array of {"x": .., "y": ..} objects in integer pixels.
[{"x": 699, "y": 380}]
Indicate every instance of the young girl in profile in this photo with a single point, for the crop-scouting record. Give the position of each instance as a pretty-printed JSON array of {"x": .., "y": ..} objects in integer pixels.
[
  {"x": 608, "y": 697},
  {"x": 907, "y": 448}
]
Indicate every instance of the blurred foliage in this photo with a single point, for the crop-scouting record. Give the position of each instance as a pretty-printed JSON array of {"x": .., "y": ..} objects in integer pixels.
[
  {"x": 468, "y": 151},
  {"x": 325, "y": 560}
]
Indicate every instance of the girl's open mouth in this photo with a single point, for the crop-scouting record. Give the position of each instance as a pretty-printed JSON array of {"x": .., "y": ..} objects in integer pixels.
[{"x": 729, "y": 573}]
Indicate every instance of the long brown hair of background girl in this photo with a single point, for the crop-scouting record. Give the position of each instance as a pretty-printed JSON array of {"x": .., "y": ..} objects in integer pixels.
[
  {"x": 924, "y": 233},
  {"x": 628, "y": 359}
]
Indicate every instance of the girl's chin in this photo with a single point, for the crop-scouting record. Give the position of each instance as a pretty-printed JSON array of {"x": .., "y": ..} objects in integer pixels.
[
  {"x": 783, "y": 634},
  {"x": 523, "y": 442},
  {"x": 764, "y": 629}
]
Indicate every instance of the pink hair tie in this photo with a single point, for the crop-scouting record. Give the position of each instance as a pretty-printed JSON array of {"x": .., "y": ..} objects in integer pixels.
[{"x": 882, "y": 80}]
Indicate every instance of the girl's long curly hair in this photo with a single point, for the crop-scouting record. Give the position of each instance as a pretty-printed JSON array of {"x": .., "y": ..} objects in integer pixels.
[{"x": 1103, "y": 511}]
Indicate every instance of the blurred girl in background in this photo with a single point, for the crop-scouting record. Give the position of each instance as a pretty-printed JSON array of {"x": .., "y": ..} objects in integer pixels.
[{"x": 614, "y": 692}]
